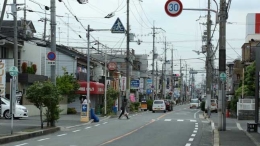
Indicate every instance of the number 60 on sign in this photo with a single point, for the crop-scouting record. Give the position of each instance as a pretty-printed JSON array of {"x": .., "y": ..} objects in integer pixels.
[{"x": 173, "y": 7}]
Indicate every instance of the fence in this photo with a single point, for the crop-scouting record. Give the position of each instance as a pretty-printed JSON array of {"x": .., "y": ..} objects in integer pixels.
[{"x": 245, "y": 104}]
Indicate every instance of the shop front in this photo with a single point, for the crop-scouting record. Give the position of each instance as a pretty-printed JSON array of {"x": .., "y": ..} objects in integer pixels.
[{"x": 96, "y": 96}]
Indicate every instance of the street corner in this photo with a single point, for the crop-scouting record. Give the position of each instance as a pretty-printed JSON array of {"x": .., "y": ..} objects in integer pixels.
[{"x": 28, "y": 133}]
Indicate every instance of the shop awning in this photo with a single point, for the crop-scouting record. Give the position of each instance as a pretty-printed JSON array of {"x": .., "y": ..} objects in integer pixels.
[{"x": 95, "y": 88}]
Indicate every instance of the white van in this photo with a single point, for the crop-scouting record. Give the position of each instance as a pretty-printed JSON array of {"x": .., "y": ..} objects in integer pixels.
[
  {"x": 159, "y": 105},
  {"x": 194, "y": 103}
]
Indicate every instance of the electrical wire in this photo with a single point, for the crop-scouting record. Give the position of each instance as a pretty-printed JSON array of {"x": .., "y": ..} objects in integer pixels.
[{"x": 140, "y": 15}]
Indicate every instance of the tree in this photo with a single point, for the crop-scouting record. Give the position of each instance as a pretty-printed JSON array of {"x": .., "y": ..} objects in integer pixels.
[
  {"x": 45, "y": 94},
  {"x": 112, "y": 95},
  {"x": 67, "y": 85}
]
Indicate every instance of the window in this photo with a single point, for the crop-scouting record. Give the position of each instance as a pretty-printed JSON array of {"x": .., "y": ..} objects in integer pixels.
[
  {"x": 3, "y": 52},
  {"x": 158, "y": 102},
  {"x": 238, "y": 77}
]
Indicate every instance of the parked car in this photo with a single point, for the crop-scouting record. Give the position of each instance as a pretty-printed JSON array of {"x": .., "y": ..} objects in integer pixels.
[
  {"x": 194, "y": 103},
  {"x": 20, "y": 111},
  {"x": 159, "y": 105},
  {"x": 169, "y": 105}
]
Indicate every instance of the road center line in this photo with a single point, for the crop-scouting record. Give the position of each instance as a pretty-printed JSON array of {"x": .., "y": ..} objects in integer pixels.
[
  {"x": 195, "y": 131},
  {"x": 191, "y": 139},
  {"x": 131, "y": 132},
  {"x": 193, "y": 135},
  {"x": 196, "y": 128},
  {"x": 43, "y": 139},
  {"x": 179, "y": 120},
  {"x": 21, "y": 144},
  {"x": 62, "y": 134},
  {"x": 188, "y": 144},
  {"x": 76, "y": 131},
  {"x": 239, "y": 126}
]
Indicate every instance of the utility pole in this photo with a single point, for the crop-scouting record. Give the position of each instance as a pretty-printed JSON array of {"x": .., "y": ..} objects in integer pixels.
[
  {"x": 53, "y": 38},
  {"x": 44, "y": 32},
  {"x": 105, "y": 96},
  {"x": 24, "y": 20},
  {"x": 172, "y": 75},
  {"x": 165, "y": 76},
  {"x": 127, "y": 52},
  {"x": 180, "y": 81},
  {"x": 3, "y": 13},
  {"x": 222, "y": 65},
  {"x": 208, "y": 62},
  {"x": 186, "y": 81},
  {"x": 88, "y": 71},
  {"x": 14, "y": 11},
  {"x": 153, "y": 63},
  {"x": 156, "y": 85}
]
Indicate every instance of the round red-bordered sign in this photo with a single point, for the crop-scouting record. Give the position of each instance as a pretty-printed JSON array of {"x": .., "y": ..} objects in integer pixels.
[
  {"x": 111, "y": 66},
  {"x": 51, "y": 56},
  {"x": 173, "y": 8}
]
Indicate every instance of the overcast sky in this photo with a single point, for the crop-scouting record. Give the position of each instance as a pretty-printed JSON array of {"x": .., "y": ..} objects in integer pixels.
[{"x": 183, "y": 33}]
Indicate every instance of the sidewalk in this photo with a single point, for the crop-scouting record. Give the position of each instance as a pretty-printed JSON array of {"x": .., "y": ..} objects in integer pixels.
[{"x": 235, "y": 133}]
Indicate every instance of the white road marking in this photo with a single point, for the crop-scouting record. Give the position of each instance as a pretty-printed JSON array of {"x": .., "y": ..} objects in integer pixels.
[
  {"x": 76, "y": 131},
  {"x": 21, "y": 144},
  {"x": 196, "y": 125},
  {"x": 105, "y": 123},
  {"x": 193, "y": 135},
  {"x": 239, "y": 126},
  {"x": 205, "y": 121},
  {"x": 97, "y": 125},
  {"x": 196, "y": 114},
  {"x": 196, "y": 128},
  {"x": 185, "y": 108},
  {"x": 188, "y": 144},
  {"x": 62, "y": 134},
  {"x": 213, "y": 126},
  {"x": 87, "y": 127},
  {"x": 43, "y": 139},
  {"x": 133, "y": 115},
  {"x": 167, "y": 119},
  {"x": 193, "y": 120},
  {"x": 179, "y": 120},
  {"x": 191, "y": 139},
  {"x": 195, "y": 131}
]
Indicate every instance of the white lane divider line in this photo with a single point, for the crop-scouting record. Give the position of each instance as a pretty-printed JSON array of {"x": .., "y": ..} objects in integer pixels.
[
  {"x": 188, "y": 144},
  {"x": 193, "y": 135},
  {"x": 76, "y": 131},
  {"x": 196, "y": 125},
  {"x": 239, "y": 126},
  {"x": 195, "y": 114},
  {"x": 195, "y": 131},
  {"x": 43, "y": 139},
  {"x": 87, "y": 127},
  {"x": 97, "y": 125},
  {"x": 196, "y": 128},
  {"x": 21, "y": 144},
  {"x": 167, "y": 119},
  {"x": 193, "y": 120},
  {"x": 191, "y": 139},
  {"x": 212, "y": 125},
  {"x": 105, "y": 123},
  {"x": 179, "y": 120},
  {"x": 62, "y": 134}
]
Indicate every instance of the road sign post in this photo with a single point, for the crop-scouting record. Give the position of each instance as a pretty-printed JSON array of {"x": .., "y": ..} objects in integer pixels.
[
  {"x": 223, "y": 77},
  {"x": 173, "y": 8},
  {"x": 51, "y": 56},
  {"x": 118, "y": 27},
  {"x": 13, "y": 71}
]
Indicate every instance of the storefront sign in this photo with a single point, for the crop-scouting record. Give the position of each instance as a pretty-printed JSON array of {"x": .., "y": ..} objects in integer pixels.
[
  {"x": 111, "y": 66},
  {"x": 123, "y": 83},
  {"x": 2, "y": 78},
  {"x": 95, "y": 88}
]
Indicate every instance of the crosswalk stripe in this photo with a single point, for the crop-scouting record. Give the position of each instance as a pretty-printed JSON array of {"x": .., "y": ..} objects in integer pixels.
[
  {"x": 167, "y": 119},
  {"x": 179, "y": 120}
]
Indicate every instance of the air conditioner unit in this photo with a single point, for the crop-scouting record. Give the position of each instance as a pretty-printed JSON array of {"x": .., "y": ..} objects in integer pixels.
[{"x": 204, "y": 49}]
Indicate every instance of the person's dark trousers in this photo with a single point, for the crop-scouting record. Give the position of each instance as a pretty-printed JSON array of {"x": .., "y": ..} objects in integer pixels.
[{"x": 122, "y": 112}]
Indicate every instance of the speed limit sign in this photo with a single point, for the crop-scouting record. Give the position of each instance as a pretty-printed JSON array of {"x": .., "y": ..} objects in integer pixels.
[{"x": 173, "y": 7}]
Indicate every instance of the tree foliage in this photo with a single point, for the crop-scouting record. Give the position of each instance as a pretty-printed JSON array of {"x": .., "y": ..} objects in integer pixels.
[
  {"x": 45, "y": 94},
  {"x": 112, "y": 95},
  {"x": 67, "y": 85}
]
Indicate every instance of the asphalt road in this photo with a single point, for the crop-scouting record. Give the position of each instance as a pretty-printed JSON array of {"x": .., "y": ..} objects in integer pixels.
[{"x": 181, "y": 127}]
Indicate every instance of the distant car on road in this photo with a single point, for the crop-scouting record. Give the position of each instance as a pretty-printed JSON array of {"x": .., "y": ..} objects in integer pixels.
[
  {"x": 159, "y": 105},
  {"x": 20, "y": 111},
  {"x": 194, "y": 103}
]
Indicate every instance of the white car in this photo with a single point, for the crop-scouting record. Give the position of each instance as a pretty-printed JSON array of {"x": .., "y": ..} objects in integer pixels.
[
  {"x": 194, "y": 103},
  {"x": 20, "y": 111},
  {"x": 159, "y": 105}
]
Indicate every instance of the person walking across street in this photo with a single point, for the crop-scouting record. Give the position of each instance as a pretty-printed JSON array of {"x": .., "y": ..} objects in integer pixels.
[{"x": 123, "y": 111}]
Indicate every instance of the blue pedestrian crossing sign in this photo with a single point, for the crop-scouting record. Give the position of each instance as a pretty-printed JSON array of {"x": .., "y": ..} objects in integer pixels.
[
  {"x": 118, "y": 27},
  {"x": 84, "y": 108}
]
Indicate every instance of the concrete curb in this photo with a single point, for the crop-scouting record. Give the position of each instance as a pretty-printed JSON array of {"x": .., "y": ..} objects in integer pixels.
[
  {"x": 216, "y": 137},
  {"x": 252, "y": 138},
  {"x": 18, "y": 137}
]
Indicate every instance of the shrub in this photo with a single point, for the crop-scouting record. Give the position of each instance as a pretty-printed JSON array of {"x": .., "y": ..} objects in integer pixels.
[
  {"x": 24, "y": 67},
  {"x": 71, "y": 111},
  {"x": 30, "y": 70},
  {"x": 34, "y": 66},
  {"x": 202, "y": 105},
  {"x": 149, "y": 105}
]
